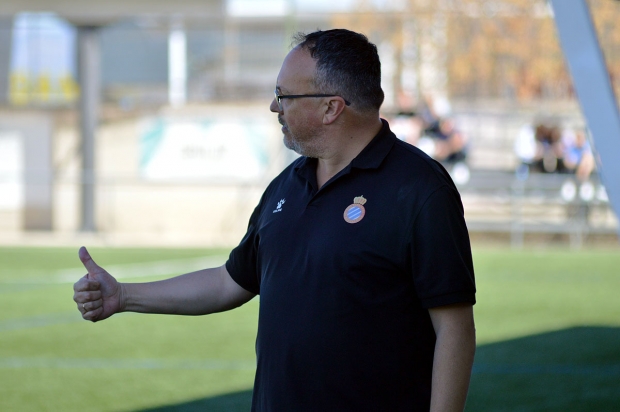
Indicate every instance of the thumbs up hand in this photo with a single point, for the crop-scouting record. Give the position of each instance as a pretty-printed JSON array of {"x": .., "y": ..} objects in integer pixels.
[{"x": 97, "y": 294}]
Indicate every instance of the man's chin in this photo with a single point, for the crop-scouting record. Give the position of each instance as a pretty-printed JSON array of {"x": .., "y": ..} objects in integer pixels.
[{"x": 289, "y": 144}]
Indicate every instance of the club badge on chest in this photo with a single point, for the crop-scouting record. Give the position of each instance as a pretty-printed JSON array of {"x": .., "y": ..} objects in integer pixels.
[{"x": 356, "y": 211}]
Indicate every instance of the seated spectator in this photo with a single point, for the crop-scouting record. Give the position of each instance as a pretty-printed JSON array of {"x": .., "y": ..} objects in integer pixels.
[
  {"x": 578, "y": 157},
  {"x": 449, "y": 142},
  {"x": 407, "y": 126},
  {"x": 525, "y": 145},
  {"x": 550, "y": 152},
  {"x": 539, "y": 147}
]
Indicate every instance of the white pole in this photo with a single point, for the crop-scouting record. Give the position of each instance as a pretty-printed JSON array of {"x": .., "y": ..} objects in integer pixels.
[
  {"x": 591, "y": 80},
  {"x": 90, "y": 90},
  {"x": 177, "y": 65}
]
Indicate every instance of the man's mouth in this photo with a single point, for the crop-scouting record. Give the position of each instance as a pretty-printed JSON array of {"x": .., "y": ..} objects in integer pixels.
[{"x": 282, "y": 123}]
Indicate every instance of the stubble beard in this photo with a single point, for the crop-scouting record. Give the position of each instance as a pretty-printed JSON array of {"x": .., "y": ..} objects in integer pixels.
[
  {"x": 307, "y": 142},
  {"x": 290, "y": 142}
]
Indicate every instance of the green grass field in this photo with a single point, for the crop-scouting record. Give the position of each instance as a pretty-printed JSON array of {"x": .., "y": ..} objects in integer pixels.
[{"x": 548, "y": 326}]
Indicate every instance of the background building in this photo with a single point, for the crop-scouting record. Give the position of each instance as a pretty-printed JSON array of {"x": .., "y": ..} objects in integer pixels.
[{"x": 184, "y": 109}]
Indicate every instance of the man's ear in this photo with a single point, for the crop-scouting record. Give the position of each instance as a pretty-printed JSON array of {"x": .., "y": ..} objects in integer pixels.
[{"x": 333, "y": 109}]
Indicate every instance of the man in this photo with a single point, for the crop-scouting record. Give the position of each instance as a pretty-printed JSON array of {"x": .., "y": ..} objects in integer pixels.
[{"x": 358, "y": 249}]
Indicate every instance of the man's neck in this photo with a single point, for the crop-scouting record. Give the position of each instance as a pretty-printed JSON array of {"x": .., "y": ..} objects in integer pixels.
[{"x": 347, "y": 145}]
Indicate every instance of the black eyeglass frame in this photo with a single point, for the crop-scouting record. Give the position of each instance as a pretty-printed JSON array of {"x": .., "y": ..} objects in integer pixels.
[{"x": 279, "y": 97}]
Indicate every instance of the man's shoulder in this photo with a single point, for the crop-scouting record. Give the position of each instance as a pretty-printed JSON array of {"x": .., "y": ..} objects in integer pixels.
[
  {"x": 285, "y": 177},
  {"x": 412, "y": 153},
  {"x": 289, "y": 171},
  {"x": 413, "y": 164}
]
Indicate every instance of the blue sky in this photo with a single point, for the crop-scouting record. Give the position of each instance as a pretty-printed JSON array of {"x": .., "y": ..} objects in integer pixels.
[{"x": 42, "y": 43}]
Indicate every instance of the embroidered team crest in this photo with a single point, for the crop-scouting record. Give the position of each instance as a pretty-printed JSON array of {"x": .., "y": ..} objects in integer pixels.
[{"x": 355, "y": 212}]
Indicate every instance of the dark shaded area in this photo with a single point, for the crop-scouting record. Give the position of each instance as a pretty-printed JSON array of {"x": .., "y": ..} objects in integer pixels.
[
  {"x": 576, "y": 369},
  {"x": 231, "y": 402}
]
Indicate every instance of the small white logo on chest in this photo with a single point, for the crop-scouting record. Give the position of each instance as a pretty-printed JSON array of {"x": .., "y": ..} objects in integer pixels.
[{"x": 279, "y": 206}]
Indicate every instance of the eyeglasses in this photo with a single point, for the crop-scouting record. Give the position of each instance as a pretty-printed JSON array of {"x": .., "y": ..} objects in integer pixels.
[{"x": 279, "y": 97}]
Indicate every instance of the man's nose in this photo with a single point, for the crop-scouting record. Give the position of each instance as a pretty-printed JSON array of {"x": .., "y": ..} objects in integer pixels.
[{"x": 274, "y": 106}]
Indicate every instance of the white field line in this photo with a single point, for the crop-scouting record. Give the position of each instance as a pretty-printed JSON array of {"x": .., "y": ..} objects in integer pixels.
[
  {"x": 39, "y": 321},
  {"x": 553, "y": 369},
  {"x": 145, "y": 364},
  {"x": 124, "y": 271},
  {"x": 250, "y": 365}
]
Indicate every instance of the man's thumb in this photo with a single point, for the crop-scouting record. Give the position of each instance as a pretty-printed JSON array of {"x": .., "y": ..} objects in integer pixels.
[{"x": 87, "y": 261}]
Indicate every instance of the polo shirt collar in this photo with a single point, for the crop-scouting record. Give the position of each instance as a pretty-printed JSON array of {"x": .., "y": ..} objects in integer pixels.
[
  {"x": 370, "y": 157},
  {"x": 373, "y": 154}
]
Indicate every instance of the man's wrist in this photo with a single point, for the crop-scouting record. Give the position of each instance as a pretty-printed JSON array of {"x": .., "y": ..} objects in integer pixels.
[{"x": 122, "y": 297}]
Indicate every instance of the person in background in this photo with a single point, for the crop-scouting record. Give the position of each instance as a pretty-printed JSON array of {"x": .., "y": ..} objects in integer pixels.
[
  {"x": 450, "y": 145},
  {"x": 549, "y": 156},
  {"x": 578, "y": 157}
]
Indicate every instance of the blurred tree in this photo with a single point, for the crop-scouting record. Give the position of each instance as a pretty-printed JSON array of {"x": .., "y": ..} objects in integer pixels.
[{"x": 495, "y": 49}]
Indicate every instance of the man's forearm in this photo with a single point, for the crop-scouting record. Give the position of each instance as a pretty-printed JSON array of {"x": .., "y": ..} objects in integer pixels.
[
  {"x": 197, "y": 293},
  {"x": 453, "y": 360}
]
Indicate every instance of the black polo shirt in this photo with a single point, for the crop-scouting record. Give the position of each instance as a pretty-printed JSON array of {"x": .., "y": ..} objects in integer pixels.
[{"x": 346, "y": 275}]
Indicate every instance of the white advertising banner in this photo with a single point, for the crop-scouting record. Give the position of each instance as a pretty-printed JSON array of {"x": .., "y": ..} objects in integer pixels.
[
  {"x": 11, "y": 171},
  {"x": 222, "y": 150}
]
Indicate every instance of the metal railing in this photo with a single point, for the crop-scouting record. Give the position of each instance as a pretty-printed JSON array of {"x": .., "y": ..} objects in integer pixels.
[{"x": 497, "y": 201}]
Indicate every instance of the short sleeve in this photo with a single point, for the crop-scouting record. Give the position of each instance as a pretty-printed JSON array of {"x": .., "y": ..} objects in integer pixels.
[
  {"x": 242, "y": 264},
  {"x": 442, "y": 265}
]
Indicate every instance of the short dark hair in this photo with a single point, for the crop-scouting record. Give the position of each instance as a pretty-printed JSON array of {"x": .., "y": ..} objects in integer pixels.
[{"x": 347, "y": 64}]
